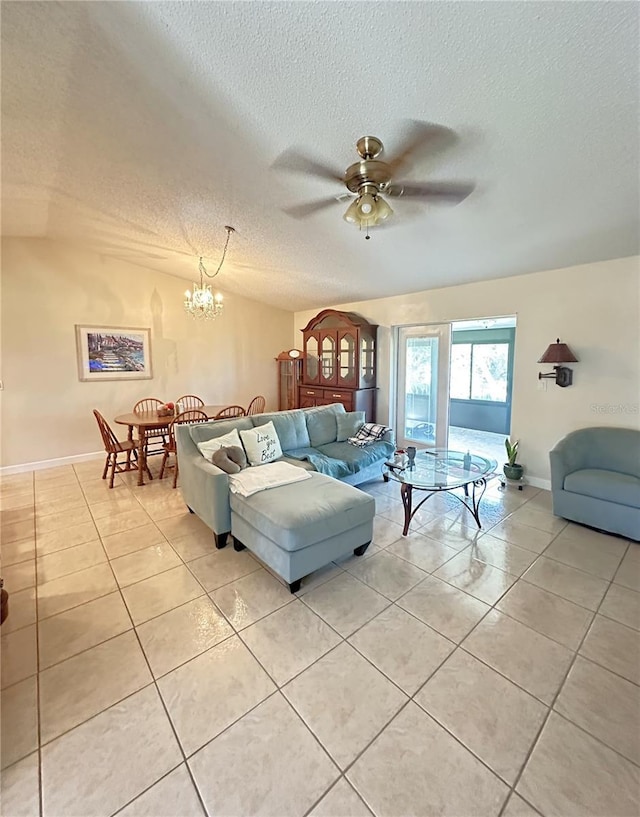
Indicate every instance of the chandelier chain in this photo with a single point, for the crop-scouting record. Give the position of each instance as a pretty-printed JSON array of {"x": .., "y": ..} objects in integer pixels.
[{"x": 201, "y": 266}]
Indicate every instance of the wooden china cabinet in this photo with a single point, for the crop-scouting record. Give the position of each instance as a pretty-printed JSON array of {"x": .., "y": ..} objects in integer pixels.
[{"x": 339, "y": 362}]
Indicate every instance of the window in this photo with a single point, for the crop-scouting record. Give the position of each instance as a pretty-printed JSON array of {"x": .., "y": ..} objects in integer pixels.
[
  {"x": 479, "y": 371},
  {"x": 460, "y": 385}
]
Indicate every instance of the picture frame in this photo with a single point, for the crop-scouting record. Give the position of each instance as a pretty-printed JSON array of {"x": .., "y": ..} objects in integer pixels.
[{"x": 113, "y": 353}]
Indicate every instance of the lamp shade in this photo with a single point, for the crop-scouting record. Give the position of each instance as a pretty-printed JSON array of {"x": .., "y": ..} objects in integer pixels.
[
  {"x": 383, "y": 210},
  {"x": 558, "y": 353},
  {"x": 352, "y": 215}
]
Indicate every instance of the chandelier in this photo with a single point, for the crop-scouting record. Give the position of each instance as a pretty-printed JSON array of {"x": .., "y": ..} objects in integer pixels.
[{"x": 201, "y": 302}]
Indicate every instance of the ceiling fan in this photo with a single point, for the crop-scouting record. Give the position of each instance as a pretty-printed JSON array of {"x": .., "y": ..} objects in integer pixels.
[{"x": 371, "y": 176}]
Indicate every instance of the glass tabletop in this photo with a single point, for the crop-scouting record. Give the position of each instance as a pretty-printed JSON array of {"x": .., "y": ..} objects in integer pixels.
[{"x": 441, "y": 469}]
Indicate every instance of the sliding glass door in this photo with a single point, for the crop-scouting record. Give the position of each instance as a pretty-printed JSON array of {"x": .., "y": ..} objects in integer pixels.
[{"x": 422, "y": 410}]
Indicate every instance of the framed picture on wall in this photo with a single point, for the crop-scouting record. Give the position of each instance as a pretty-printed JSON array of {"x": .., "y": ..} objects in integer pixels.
[{"x": 113, "y": 353}]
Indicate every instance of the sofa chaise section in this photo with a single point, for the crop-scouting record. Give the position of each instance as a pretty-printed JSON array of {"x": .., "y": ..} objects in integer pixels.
[{"x": 205, "y": 487}]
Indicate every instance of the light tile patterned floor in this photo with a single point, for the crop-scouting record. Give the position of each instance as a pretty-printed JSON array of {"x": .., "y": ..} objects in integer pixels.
[{"x": 451, "y": 672}]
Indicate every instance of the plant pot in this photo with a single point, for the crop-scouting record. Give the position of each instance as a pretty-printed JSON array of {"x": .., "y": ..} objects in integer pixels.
[{"x": 514, "y": 471}]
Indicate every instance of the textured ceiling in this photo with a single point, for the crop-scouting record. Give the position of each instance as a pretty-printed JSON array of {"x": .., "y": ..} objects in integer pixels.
[{"x": 141, "y": 129}]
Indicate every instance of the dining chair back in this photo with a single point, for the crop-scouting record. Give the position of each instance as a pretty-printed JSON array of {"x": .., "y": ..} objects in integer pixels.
[
  {"x": 113, "y": 448},
  {"x": 256, "y": 406},
  {"x": 189, "y": 401},
  {"x": 148, "y": 404},
  {"x": 230, "y": 411},
  {"x": 154, "y": 440},
  {"x": 185, "y": 417}
]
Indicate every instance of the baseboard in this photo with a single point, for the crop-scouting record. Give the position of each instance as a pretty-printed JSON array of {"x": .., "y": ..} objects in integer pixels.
[
  {"x": 55, "y": 463},
  {"x": 537, "y": 482}
]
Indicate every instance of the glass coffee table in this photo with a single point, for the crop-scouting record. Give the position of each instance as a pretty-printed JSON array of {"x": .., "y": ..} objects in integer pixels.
[{"x": 440, "y": 469}]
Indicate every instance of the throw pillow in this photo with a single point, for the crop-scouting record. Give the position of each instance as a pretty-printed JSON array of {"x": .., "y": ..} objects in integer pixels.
[
  {"x": 349, "y": 424},
  {"x": 369, "y": 433},
  {"x": 208, "y": 447},
  {"x": 230, "y": 459},
  {"x": 261, "y": 444}
]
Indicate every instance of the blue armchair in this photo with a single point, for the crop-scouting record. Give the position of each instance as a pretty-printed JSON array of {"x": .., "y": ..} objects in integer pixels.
[{"x": 595, "y": 479}]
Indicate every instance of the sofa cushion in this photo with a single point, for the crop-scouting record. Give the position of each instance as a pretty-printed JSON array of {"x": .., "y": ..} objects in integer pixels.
[
  {"x": 348, "y": 424},
  {"x": 321, "y": 423},
  {"x": 357, "y": 459},
  {"x": 290, "y": 427},
  {"x": 611, "y": 486},
  {"x": 303, "y": 513},
  {"x": 200, "y": 432}
]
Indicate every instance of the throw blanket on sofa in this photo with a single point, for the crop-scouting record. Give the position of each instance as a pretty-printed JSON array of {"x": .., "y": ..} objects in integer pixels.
[
  {"x": 262, "y": 477},
  {"x": 323, "y": 464}
]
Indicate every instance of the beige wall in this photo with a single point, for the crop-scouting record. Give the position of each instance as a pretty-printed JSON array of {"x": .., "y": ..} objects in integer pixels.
[
  {"x": 48, "y": 287},
  {"x": 594, "y": 308}
]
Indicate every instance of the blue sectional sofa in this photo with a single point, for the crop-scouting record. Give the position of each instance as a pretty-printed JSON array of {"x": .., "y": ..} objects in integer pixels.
[
  {"x": 307, "y": 438},
  {"x": 595, "y": 479}
]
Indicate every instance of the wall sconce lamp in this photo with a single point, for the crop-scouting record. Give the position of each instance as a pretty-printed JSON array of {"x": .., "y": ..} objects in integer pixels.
[{"x": 558, "y": 353}]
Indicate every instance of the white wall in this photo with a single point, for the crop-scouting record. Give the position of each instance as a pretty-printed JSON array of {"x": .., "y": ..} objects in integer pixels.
[
  {"x": 48, "y": 287},
  {"x": 594, "y": 308}
]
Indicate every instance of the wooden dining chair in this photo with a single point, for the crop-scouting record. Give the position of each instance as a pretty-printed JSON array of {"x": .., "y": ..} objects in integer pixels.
[
  {"x": 148, "y": 404},
  {"x": 256, "y": 406},
  {"x": 230, "y": 411},
  {"x": 155, "y": 440},
  {"x": 189, "y": 401},
  {"x": 114, "y": 447},
  {"x": 192, "y": 416}
]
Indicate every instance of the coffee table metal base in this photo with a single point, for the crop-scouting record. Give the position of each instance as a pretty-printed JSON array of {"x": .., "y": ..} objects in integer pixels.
[{"x": 478, "y": 487}]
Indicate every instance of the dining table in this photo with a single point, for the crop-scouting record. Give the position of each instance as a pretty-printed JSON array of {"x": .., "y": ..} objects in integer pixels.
[{"x": 148, "y": 422}]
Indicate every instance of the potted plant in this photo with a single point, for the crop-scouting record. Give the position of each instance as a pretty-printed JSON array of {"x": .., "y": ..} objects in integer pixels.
[{"x": 512, "y": 470}]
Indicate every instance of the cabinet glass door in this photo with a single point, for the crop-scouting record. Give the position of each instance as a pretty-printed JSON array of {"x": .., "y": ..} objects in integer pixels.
[
  {"x": 347, "y": 348},
  {"x": 422, "y": 387},
  {"x": 312, "y": 371},
  {"x": 367, "y": 360},
  {"x": 328, "y": 359},
  {"x": 287, "y": 385}
]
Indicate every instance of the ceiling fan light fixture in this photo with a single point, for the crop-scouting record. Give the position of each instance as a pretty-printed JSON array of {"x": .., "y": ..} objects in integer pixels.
[{"x": 352, "y": 214}]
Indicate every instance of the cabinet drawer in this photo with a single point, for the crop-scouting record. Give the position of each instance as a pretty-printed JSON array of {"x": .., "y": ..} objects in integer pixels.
[
  {"x": 338, "y": 396},
  {"x": 307, "y": 391},
  {"x": 344, "y": 397}
]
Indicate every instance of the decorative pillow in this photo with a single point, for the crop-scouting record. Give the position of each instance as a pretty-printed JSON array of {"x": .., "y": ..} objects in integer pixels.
[
  {"x": 349, "y": 424},
  {"x": 321, "y": 423},
  {"x": 261, "y": 444},
  {"x": 230, "y": 459},
  {"x": 208, "y": 447},
  {"x": 369, "y": 433}
]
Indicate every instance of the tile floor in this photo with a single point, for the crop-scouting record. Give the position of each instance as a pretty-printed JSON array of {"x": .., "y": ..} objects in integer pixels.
[{"x": 451, "y": 672}]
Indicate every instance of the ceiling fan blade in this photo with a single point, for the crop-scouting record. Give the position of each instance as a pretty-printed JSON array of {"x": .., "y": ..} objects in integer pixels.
[
  {"x": 452, "y": 192},
  {"x": 308, "y": 209},
  {"x": 422, "y": 136},
  {"x": 294, "y": 162}
]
